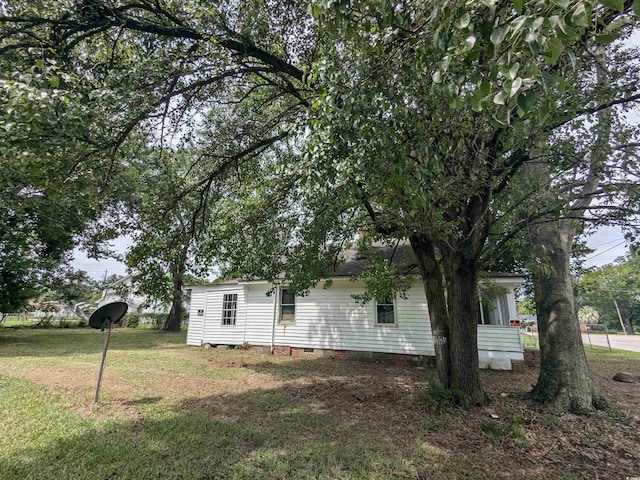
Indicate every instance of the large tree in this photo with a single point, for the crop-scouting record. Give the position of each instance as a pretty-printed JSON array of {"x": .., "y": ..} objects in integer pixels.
[
  {"x": 48, "y": 199},
  {"x": 434, "y": 157},
  {"x": 582, "y": 173},
  {"x": 166, "y": 219},
  {"x": 410, "y": 117}
]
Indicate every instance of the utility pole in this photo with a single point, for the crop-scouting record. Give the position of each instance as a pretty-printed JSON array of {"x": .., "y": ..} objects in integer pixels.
[{"x": 626, "y": 326}]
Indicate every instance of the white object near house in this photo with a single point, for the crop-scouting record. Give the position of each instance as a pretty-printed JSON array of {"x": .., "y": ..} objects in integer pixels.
[
  {"x": 122, "y": 290},
  {"x": 330, "y": 320}
]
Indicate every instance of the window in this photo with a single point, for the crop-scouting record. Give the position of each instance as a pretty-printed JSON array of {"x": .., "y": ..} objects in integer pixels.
[
  {"x": 287, "y": 306},
  {"x": 385, "y": 314},
  {"x": 494, "y": 309},
  {"x": 229, "y": 306}
]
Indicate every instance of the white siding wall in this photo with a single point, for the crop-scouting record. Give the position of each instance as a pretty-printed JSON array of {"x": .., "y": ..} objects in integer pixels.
[
  {"x": 259, "y": 314},
  {"x": 216, "y": 333},
  {"x": 499, "y": 337},
  {"x": 511, "y": 302},
  {"x": 331, "y": 319},
  {"x": 196, "y": 323}
]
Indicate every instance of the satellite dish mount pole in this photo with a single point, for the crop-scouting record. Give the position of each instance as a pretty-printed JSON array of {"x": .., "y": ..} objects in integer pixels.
[
  {"x": 103, "y": 318},
  {"x": 104, "y": 356}
]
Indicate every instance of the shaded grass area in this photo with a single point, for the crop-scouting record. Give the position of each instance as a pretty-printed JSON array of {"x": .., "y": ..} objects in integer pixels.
[
  {"x": 603, "y": 353},
  {"x": 20, "y": 321},
  {"x": 171, "y": 411}
]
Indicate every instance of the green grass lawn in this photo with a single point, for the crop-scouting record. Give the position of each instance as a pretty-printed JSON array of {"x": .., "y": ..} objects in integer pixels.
[
  {"x": 604, "y": 353},
  {"x": 177, "y": 412},
  {"x": 20, "y": 321}
]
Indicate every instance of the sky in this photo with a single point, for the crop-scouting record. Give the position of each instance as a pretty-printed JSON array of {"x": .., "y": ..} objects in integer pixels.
[
  {"x": 99, "y": 269},
  {"x": 608, "y": 243}
]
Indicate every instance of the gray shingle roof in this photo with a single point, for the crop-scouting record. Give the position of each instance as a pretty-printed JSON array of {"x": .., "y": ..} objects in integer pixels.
[
  {"x": 355, "y": 263},
  {"x": 401, "y": 255}
]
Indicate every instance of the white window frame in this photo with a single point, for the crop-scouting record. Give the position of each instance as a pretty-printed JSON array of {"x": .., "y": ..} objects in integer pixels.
[
  {"x": 281, "y": 305},
  {"x": 229, "y": 307},
  {"x": 395, "y": 314},
  {"x": 495, "y": 309}
]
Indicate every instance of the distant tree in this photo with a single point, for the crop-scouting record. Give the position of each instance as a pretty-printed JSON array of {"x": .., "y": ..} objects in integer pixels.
[
  {"x": 614, "y": 292},
  {"x": 71, "y": 287},
  {"x": 50, "y": 200},
  {"x": 166, "y": 219},
  {"x": 526, "y": 306},
  {"x": 18, "y": 282},
  {"x": 588, "y": 315}
]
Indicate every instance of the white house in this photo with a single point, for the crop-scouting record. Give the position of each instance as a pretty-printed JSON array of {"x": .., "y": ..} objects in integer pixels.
[
  {"x": 329, "y": 319},
  {"x": 122, "y": 290}
]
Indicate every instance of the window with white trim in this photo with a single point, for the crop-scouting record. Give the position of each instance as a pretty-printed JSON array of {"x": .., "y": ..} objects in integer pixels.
[
  {"x": 287, "y": 306},
  {"x": 385, "y": 312},
  {"x": 494, "y": 309},
  {"x": 229, "y": 308}
]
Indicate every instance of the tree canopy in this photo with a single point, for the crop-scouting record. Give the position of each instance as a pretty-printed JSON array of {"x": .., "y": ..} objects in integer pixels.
[{"x": 413, "y": 119}]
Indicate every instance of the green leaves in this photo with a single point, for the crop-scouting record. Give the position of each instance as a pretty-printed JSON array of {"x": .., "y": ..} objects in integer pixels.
[
  {"x": 497, "y": 35},
  {"x": 469, "y": 42},
  {"x": 500, "y": 97},
  {"x": 547, "y": 80},
  {"x": 580, "y": 17},
  {"x": 617, "y": 5},
  {"x": 515, "y": 86},
  {"x": 518, "y": 5},
  {"x": 526, "y": 101},
  {"x": 476, "y": 103},
  {"x": 554, "y": 50}
]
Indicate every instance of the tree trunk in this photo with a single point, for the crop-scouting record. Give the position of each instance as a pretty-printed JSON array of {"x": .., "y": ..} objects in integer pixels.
[
  {"x": 564, "y": 379},
  {"x": 174, "y": 320},
  {"x": 454, "y": 320},
  {"x": 436, "y": 302},
  {"x": 463, "y": 301}
]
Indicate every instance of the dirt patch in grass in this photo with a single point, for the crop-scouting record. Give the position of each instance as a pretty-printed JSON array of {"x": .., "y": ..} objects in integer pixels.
[
  {"x": 313, "y": 399},
  {"x": 243, "y": 414},
  {"x": 512, "y": 437},
  {"x": 70, "y": 379}
]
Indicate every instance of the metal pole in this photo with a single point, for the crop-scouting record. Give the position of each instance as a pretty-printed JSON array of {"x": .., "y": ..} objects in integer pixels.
[
  {"x": 104, "y": 356},
  {"x": 275, "y": 312},
  {"x": 606, "y": 331},
  {"x": 586, "y": 327}
]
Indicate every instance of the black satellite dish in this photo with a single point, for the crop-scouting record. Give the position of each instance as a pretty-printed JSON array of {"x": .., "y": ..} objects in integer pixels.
[
  {"x": 106, "y": 314},
  {"x": 102, "y": 319}
]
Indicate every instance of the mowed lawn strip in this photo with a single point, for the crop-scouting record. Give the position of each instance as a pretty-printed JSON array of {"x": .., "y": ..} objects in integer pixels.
[{"x": 172, "y": 411}]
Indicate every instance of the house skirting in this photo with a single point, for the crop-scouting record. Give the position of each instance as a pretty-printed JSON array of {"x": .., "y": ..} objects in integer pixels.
[{"x": 381, "y": 357}]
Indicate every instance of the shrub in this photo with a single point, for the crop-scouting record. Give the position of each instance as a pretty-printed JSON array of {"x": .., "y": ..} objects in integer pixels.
[
  {"x": 512, "y": 431},
  {"x": 140, "y": 320},
  {"x": 61, "y": 322},
  {"x": 440, "y": 398}
]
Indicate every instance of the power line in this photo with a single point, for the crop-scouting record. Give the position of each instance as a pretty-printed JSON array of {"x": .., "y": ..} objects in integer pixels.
[
  {"x": 605, "y": 243},
  {"x": 591, "y": 257}
]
